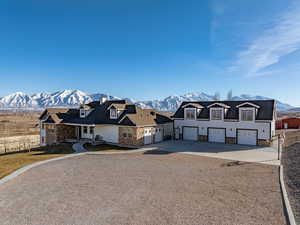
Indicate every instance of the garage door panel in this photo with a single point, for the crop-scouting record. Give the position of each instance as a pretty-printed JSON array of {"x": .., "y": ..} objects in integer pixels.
[
  {"x": 247, "y": 137},
  {"x": 216, "y": 135},
  {"x": 148, "y": 136},
  {"x": 190, "y": 133},
  {"x": 158, "y": 135}
]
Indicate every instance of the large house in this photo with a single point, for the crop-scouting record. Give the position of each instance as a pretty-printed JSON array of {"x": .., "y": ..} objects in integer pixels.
[
  {"x": 114, "y": 122},
  {"x": 233, "y": 122}
]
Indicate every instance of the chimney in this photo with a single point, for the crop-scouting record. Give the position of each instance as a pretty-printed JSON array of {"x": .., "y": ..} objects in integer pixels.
[{"x": 103, "y": 99}]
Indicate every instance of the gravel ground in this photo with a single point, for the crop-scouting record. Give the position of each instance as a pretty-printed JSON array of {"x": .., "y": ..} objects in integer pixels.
[
  {"x": 143, "y": 188},
  {"x": 291, "y": 162}
]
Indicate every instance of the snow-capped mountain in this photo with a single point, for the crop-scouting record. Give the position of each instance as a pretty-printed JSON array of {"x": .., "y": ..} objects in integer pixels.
[
  {"x": 280, "y": 105},
  {"x": 172, "y": 103},
  {"x": 73, "y": 98},
  {"x": 18, "y": 100}
]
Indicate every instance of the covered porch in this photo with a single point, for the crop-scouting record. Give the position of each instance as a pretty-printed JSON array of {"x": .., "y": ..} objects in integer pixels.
[{"x": 95, "y": 134}]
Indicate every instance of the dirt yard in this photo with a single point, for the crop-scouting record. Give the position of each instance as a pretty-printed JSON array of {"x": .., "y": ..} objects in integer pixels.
[
  {"x": 18, "y": 131},
  {"x": 152, "y": 188},
  {"x": 18, "y": 124},
  {"x": 291, "y": 162}
]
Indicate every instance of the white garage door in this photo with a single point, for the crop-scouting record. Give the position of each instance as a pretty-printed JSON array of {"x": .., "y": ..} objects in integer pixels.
[
  {"x": 147, "y": 136},
  {"x": 216, "y": 135},
  {"x": 190, "y": 133},
  {"x": 247, "y": 137},
  {"x": 158, "y": 135}
]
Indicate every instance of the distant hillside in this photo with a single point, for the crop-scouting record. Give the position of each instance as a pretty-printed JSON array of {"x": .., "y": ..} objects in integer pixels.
[{"x": 73, "y": 98}]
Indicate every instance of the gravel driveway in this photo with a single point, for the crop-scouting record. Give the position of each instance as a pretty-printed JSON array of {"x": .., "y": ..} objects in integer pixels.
[{"x": 140, "y": 188}]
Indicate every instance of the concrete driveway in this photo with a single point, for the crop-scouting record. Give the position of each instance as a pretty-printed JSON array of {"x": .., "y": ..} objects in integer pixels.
[{"x": 265, "y": 155}]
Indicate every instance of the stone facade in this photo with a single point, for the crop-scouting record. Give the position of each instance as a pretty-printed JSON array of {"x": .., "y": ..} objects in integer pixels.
[
  {"x": 56, "y": 133},
  {"x": 65, "y": 132},
  {"x": 231, "y": 140},
  {"x": 50, "y": 130},
  {"x": 203, "y": 138},
  {"x": 132, "y": 136}
]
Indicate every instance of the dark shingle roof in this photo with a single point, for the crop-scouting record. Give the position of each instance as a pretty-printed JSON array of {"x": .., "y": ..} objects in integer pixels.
[
  {"x": 132, "y": 115},
  {"x": 265, "y": 111}
]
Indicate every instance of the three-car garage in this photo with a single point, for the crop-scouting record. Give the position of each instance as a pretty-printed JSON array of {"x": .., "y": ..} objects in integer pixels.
[{"x": 218, "y": 135}]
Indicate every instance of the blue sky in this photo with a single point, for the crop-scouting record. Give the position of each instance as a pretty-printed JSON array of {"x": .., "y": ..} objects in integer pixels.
[{"x": 150, "y": 49}]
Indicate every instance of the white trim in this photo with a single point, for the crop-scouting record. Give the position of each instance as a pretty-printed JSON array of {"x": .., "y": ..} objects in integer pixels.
[
  {"x": 193, "y": 104},
  {"x": 219, "y": 104},
  {"x": 222, "y": 114},
  {"x": 195, "y": 111},
  {"x": 111, "y": 116},
  {"x": 124, "y": 118},
  {"x": 248, "y": 103},
  {"x": 247, "y": 109}
]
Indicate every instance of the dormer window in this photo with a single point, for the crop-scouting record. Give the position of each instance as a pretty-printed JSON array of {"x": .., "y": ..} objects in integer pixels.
[
  {"x": 113, "y": 113},
  {"x": 216, "y": 114},
  {"x": 82, "y": 113},
  {"x": 190, "y": 113},
  {"x": 247, "y": 115}
]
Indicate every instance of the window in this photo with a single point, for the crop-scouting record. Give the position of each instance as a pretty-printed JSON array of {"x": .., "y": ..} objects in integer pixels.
[
  {"x": 247, "y": 115},
  {"x": 85, "y": 130},
  {"x": 113, "y": 114},
  {"x": 129, "y": 135},
  {"x": 216, "y": 114},
  {"x": 124, "y": 135},
  {"x": 82, "y": 113},
  {"x": 190, "y": 114},
  {"x": 91, "y": 130}
]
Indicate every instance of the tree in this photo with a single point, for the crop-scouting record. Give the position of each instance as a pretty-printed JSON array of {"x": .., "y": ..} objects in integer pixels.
[
  {"x": 217, "y": 96},
  {"x": 229, "y": 95}
]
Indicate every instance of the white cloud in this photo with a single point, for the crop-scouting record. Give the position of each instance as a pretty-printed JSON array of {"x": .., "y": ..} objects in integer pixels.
[{"x": 281, "y": 39}]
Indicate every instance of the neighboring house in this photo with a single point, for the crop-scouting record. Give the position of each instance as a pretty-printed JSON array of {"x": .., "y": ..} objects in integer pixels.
[
  {"x": 114, "y": 122},
  {"x": 234, "y": 122},
  {"x": 288, "y": 123}
]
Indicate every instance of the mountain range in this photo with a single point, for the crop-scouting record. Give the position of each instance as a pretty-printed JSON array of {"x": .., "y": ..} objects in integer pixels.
[{"x": 73, "y": 98}]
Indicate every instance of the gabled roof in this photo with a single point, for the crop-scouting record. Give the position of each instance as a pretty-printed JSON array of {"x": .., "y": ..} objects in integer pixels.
[
  {"x": 131, "y": 115},
  {"x": 264, "y": 112},
  {"x": 194, "y": 105},
  {"x": 218, "y": 105},
  {"x": 248, "y": 104}
]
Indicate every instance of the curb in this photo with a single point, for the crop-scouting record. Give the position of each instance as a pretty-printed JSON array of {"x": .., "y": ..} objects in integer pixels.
[
  {"x": 26, "y": 168},
  {"x": 287, "y": 204},
  {"x": 120, "y": 152}
]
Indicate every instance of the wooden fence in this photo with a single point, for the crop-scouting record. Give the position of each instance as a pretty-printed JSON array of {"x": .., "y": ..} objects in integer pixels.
[
  {"x": 19, "y": 143},
  {"x": 290, "y": 137}
]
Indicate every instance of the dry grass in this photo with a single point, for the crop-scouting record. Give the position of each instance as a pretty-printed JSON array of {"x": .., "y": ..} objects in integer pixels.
[
  {"x": 105, "y": 148},
  {"x": 14, "y": 161},
  {"x": 18, "y": 124}
]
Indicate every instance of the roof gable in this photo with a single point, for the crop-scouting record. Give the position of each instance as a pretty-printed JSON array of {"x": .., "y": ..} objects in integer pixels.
[{"x": 264, "y": 112}]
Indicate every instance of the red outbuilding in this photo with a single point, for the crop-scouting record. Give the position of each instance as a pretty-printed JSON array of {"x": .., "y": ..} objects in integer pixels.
[{"x": 288, "y": 123}]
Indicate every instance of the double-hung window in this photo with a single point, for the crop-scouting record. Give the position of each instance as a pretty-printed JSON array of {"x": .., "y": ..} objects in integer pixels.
[
  {"x": 113, "y": 113},
  {"x": 247, "y": 115},
  {"x": 190, "y": 114},
  {"x": 82, "y": 113},
  {"x": 216, "y": 114}
]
